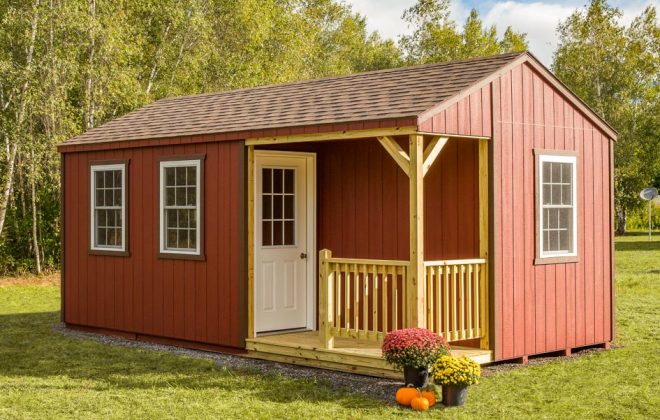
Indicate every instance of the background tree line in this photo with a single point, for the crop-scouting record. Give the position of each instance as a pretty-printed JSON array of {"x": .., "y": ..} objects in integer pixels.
[{"x": 70, "y": 65}]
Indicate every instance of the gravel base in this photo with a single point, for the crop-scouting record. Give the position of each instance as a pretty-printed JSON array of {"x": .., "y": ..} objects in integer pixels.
[
  {"x": 539, "y": 360},
  {"x": 374, "y": 387}
]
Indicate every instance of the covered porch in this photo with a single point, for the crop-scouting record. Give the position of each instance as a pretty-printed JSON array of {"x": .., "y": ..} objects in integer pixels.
[{"x": 358, "y": 300}]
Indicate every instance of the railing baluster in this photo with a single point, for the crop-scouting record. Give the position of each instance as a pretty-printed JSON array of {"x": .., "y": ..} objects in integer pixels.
[
  {"x": 338, "y": 285},
  {"x": 347, "y": 298},
  {"x": 375, "y": 286},
  {"x": 356, "y": 298},
  {"x": 438, "y": 301},
  {"x": 445, "y": 274},
  {"x": 477, "y": 293},
  {"x": 462, "y": 305},
  {"x": 454, "y": 299},
  {"x": 365, "y": 299},
  {"x": 429, "y": 298},
  {"x": 483, "y": 307},
  {"x": 384, "y": 299},
  {"x": 395, "y": 297},
  {"x": 469, "y": 302}
]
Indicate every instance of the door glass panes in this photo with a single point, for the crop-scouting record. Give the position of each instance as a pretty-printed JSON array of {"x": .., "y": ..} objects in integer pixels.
[
  {"x": 108, "y": 223},
  {"x": 278, "y": 219},
  {"x": 557, "y": 202}
]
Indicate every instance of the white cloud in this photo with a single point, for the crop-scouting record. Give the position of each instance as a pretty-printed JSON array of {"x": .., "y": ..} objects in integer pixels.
[
  {"x": 539, "y": 19},
  {"x": 384, "y": 16}
]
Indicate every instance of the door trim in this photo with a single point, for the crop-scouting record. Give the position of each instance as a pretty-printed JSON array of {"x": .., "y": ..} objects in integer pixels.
[{"x": 310, "y": 160}]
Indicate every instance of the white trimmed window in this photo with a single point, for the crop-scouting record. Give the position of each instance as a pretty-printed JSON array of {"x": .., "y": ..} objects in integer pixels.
[
  {"x": 180, "y": 207},
  {"x": 108, "y": 207},
  {"x": 557, "y": 218}
]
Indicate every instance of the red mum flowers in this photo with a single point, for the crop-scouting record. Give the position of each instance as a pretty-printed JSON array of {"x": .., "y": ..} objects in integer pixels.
[{"x": 414, "y": 347}]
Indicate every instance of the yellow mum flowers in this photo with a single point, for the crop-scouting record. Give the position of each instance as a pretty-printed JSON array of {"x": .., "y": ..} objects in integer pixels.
[{"x": 461, "y": 371}]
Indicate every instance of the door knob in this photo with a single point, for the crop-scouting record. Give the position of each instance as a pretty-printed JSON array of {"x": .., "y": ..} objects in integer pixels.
[{"x": 303, "y": 256}]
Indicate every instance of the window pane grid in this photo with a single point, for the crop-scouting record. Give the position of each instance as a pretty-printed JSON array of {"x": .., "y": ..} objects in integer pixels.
[
  {"x": 180, "y": 208},
  {"x": 108, "y": 208},
  {"x": 557, "y": 191},
  {"x": 278, "y": 207}
]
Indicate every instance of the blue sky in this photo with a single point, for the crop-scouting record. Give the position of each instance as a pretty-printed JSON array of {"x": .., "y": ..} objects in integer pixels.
[{"x": 538, "y": 18}]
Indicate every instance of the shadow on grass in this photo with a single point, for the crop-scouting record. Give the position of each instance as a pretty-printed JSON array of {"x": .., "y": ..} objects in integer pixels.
[
  {"x": 638, "y": 245},
  {"x": 29, "y": 348}
]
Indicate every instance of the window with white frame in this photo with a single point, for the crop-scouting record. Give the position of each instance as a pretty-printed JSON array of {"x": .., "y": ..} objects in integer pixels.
[
  {"x": 180, "y": 206},
  {"x": 557, "y": 216},
  {"x": 108, "y": 207}
]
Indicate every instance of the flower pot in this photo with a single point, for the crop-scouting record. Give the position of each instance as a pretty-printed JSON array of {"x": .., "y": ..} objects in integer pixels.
[
  {"x": 418, "y": 377},
  {"x": 454, "y": 395}
]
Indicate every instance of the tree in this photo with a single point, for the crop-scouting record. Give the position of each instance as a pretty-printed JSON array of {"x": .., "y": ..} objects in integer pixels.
[
  {"x": 69, "y": 65},
  {"x": 615, "y": 70},
  {"x": 436, "y": 38}
]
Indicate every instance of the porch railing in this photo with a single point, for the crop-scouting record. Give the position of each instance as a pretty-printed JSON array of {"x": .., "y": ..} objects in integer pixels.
[
  {"x": 456, "y": 298},
  {"x": 361, "y": 298}
]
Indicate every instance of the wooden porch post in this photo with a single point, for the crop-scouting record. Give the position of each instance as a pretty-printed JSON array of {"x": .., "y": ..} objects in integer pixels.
[
  {"x": 250, "y": 242},
  {"x": 326, "y": 293},
  {"x": 483, "y": 241},
  {"x": 415, "y": 292}
]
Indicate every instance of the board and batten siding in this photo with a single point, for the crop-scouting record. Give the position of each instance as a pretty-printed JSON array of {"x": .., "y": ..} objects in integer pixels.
[
  {"x": 469, "y": 116},
  {"x": 544, "y": 308},
  {"x": 362, "y": 208},
  {"x": 363, "y": 202},
  {"x": 194, "y": 301}
]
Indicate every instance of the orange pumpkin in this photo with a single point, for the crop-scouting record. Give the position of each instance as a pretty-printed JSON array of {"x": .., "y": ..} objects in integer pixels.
[
  {"x": 419, "y": 404},
  {"x": 406, "y": 394},
  {"x": 429, "y": 395}
]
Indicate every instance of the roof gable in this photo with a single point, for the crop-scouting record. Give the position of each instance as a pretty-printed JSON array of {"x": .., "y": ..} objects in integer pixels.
[
  {"x": 546, "y": 74},
  {"x": 377, "y": 95}
]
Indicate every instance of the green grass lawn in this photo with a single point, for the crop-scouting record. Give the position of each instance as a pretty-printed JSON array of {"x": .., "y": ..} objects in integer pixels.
[{"x": 45, "y": 375}]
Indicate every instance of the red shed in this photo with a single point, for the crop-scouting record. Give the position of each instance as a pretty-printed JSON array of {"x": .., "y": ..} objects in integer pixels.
[{"x": 301, "y": 222}]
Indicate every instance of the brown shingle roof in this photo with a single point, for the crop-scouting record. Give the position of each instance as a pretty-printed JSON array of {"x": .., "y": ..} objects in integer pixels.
[{"x": 376, "y": 95}]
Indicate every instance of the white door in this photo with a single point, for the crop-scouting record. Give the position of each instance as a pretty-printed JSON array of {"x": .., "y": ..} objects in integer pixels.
[{"x": 284, "y": 225}]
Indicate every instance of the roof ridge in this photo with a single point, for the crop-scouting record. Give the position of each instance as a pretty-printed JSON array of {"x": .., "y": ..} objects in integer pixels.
[{"x": 341, "y": 77}]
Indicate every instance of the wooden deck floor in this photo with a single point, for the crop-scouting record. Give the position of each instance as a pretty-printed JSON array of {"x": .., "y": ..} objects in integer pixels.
[{"x": 348, "y": 355}]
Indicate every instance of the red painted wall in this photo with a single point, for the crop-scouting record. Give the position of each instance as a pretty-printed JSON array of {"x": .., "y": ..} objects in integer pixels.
[
  {"x": 470, "y": 116},
  {"x": 200, "y": 301},
  {"x": 363, "y": 200},
  {"x": 543, "y": 308}
]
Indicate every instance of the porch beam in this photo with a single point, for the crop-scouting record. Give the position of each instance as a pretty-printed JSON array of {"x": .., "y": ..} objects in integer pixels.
[
  {"x": 398, "y": 154},
  {"x": 433, "y": 150},
  {"x": 331, "y": 135},
  {"x": 454, "y": 136},
  {"x": 415, "y": 291}
]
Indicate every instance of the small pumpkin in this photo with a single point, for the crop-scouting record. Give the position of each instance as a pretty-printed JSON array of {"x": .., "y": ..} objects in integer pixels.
[
  {"x": 419, "y": 404},
  {"x": 406, "y": 394},
  {"x": 429, "y": 394}
]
